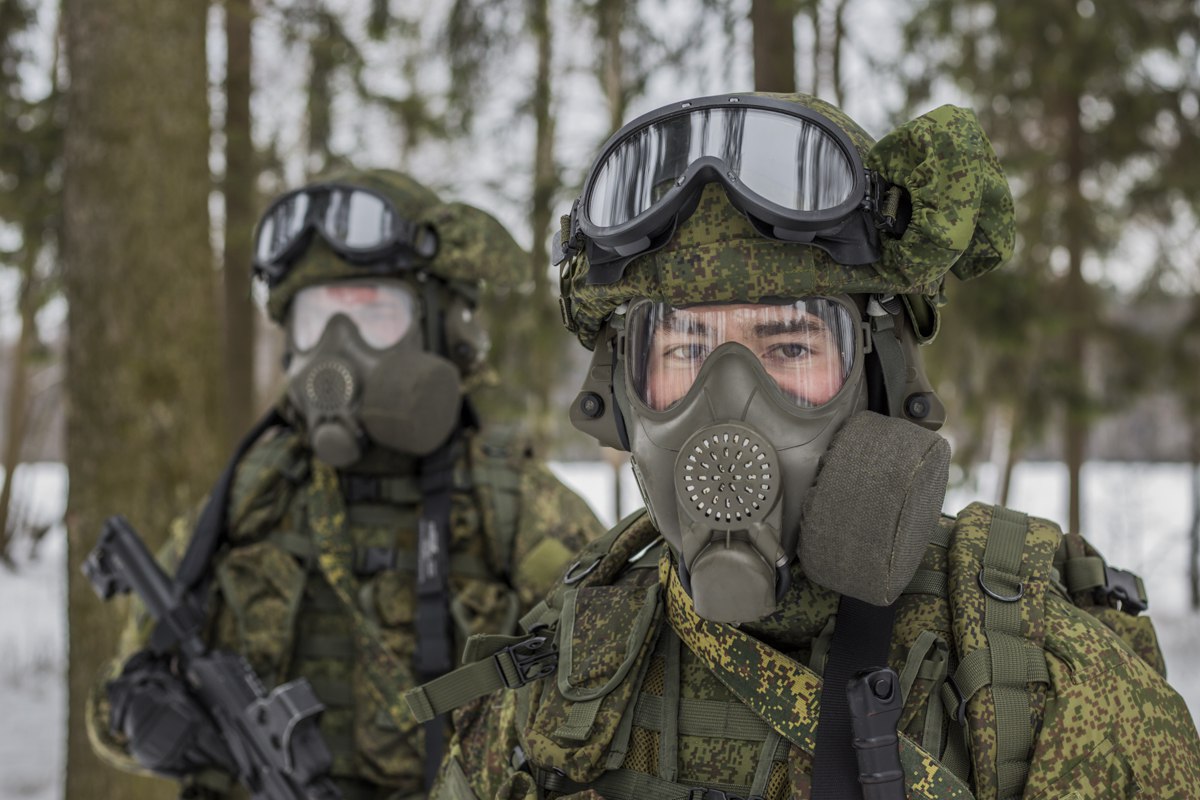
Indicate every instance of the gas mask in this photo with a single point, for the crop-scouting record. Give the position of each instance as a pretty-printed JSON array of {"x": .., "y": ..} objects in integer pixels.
[
  {"x": 728, "y": 410},
  {"x": 360, "y": 376},
  {"x": 752, "y": 447}
]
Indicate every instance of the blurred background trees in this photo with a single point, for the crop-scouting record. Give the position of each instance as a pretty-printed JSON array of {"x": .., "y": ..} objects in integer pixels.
[
  {"x": 171, "y": 124},
  {"x": 143, "y": 366}
]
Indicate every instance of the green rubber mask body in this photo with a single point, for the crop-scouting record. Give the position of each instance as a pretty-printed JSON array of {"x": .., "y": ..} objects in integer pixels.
[
  {"x": 352, "y": 397},
  {"x": 733, "y": 437}
]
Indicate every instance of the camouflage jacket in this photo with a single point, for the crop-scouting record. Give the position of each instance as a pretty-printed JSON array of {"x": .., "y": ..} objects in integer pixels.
[
  {"x": 317, "y": 579},
  {"x": 650, "y": 700}
]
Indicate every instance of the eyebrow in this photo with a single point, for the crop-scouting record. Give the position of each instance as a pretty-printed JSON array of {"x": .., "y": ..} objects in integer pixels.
[
  {"x": 805, "y": 324},
  {"x": 674, "y": 323}
]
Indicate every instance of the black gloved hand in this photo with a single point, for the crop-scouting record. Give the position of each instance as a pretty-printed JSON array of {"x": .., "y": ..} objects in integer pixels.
[{"x": 168, "y": 731}]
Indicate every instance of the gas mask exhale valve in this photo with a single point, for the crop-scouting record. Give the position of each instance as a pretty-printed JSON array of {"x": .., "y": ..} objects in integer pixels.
[{"x": 727, "y": 480}]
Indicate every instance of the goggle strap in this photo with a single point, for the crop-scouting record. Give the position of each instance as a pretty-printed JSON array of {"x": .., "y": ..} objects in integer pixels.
[{"x": 895, "y": 211}]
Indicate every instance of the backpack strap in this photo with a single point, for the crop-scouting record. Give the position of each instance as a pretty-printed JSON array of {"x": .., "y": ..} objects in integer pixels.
[
  {"x": 492, "y": 662},
  {"x": 1089, "y": 579},
  {"x": 1001, "y": 566},
  {"x": 498, "y": 460},
  {"x": 214, "y": 519}
]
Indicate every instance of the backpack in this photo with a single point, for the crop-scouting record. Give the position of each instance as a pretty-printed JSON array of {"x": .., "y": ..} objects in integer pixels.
[{"x": 972, "y": 620}]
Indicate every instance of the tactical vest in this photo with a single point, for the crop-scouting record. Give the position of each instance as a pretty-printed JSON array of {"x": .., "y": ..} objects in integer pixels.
[
  {"x": 623, "y": 689},
  {"x": 298, "y": 597}
]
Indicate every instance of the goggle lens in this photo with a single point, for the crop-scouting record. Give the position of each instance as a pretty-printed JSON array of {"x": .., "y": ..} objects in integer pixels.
[
  {"x": 358, "y": 220},
  {"x": 748, "y": 142},
  {"x": 808, "y": 347},
  {"x": 355, "y": 222},
  {"x": 381, "y": 312}
]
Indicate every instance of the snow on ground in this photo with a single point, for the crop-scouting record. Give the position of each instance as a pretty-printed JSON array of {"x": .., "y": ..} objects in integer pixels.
[
  {"x": 33, "y": 647},
  {"x": 1136, "y": 514}
]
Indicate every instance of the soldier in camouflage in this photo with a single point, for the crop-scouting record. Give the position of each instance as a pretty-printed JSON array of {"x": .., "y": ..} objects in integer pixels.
[
  {"x": 371, "y": 467},
  {"x": 792, "y": 616}
]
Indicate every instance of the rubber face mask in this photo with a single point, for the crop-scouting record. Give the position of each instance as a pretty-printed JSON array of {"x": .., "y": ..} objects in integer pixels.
[
  {"x": 729, "y": 409},
  {"x": 360, "y": 375}
]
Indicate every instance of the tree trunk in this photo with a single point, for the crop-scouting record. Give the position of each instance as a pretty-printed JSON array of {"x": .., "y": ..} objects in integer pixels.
[
  {"x": 839, "y": 37},
  {"x": 143, "y": 357},
  {"x": 239, "y": 183},
  {"x": 544, "y": 346},
  {"x": 611, "y": 24},
  {"x": 774, "y": 45},
  {"x": 18, "y": 399},
  {"x": 1075, "y": 306},
  {"x": 1011, "y": 459},
  {"x": 1194, "y": 532}
]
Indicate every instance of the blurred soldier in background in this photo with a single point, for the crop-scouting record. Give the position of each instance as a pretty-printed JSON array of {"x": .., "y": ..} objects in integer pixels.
[
  {"x": 366, "y": 526},
  {"x": 754, "y": 274}
]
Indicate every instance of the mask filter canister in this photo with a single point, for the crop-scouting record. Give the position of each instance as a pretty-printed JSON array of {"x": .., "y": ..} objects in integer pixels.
[{"x": 874, "y": 507}]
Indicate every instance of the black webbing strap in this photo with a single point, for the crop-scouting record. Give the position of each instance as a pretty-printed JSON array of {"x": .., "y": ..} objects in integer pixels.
[
  {"x": 434, "y": 638},
  {"x": 210, "y": 528},
  {"x": 861, "y": 638}
]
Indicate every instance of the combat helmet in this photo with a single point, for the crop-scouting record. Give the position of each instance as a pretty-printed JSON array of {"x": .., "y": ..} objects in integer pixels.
[
  {"x": 932, "y": 199},
  {"x": 450, "y": 248}
]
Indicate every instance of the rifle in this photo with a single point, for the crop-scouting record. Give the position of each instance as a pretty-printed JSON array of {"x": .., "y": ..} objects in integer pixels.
[{"x": 273, "y": 738}]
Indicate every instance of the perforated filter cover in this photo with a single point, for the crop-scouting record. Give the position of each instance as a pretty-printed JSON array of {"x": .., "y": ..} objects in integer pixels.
[
  {"x": 329, "y": 386},
  {"x": 727, "y": 476}
]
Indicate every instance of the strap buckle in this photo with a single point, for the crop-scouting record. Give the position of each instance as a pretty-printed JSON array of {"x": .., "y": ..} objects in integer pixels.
[
  {"x": 1125, "y": 587},
  {"x": 532, "y": 659},
  {"x": 960, "y": 712},
  {"x": 360, "y": 488},
  {"x": 371, "y": 561}
]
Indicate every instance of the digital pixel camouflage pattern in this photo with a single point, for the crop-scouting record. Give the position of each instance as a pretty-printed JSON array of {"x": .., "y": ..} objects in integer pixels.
[
  {"x": 472, "y": 245},
  {"x": 293, "y": 593},
  {"x": 962, "y": 221},
  {"x": 713, "y": 706}
]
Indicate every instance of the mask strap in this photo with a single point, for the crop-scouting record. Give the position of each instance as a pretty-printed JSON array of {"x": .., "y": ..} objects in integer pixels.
[
  {"x": 887, "y": 347},
  {"x": 435, "y": 329},
  {"x": 434, "y": 651}
]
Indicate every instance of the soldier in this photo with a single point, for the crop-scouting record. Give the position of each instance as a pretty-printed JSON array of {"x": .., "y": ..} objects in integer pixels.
[
  {"x": 754, "y": 274},
  {"x": 311, "y": 568}
]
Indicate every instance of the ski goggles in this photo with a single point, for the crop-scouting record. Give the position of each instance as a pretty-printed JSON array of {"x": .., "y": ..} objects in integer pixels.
[
  {"x": 382, "y": 313},
  {"x": 793, "y": 172},
  {"x": 809, "y": 347},
  {"x": 359, "y": 224}
]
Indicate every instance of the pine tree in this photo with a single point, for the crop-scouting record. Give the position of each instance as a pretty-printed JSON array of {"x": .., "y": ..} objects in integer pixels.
[{"x": 1083, "y": 101}]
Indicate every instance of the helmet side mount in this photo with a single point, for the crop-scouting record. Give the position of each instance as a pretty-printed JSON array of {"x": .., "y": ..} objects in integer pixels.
[{"x": 595, "y": 411}]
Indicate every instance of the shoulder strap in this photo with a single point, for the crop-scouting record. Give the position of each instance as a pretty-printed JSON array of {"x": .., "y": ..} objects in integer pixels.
[
  {"x": 1000, "y": 568},
  {"x": 210, "y": 528},
  {"x": 499, "y": 459},
  {"x": 492, "y": 662},
  {"x": 861, "y": 637},
  {"x": 434, "y": 649}
]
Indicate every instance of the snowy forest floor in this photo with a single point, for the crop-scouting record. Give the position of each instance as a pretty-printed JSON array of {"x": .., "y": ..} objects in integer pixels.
[{"x": 1136, "y": 514}]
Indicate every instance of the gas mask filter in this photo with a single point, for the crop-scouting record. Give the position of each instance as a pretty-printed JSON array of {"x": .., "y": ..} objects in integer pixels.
[
  {"x": 359, "y": 373},
  {"x": 874, "y": 507}
]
